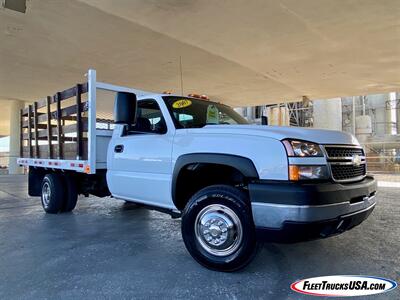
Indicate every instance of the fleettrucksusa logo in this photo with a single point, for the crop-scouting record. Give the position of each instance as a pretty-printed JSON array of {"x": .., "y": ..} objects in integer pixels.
[{"x": 343, "y": 286}]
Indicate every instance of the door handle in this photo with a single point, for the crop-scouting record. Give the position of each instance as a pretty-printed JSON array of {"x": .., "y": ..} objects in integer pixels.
[{"x": 119, "y": 148}]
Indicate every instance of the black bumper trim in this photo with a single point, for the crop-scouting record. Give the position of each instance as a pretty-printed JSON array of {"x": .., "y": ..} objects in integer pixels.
[
  {"x": 293, "y": 232},
  {"x": 293, "y": 193}
]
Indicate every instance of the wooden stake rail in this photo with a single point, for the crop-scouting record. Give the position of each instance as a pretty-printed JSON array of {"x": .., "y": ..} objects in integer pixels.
[
  {"x": 69, "y": 93},
  {"x": 58, "y": 132}
]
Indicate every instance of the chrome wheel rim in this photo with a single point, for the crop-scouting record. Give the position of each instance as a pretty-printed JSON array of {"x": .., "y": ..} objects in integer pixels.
[
  {"x": 218, "y": 230},
  {"x": 46, "y": 193}
]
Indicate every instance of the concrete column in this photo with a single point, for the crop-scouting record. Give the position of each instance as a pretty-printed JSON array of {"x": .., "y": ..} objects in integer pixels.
[
  {"x": 250, "y": 113},
  {"x": 278, "y": 115},
  {"x": 388, "y": 115},
  {"x": 353, "y": 114},
  {"x": 15, "y": 107},
  {"x": 398, "y": 113},
  {"x": 327, "y": 114}
]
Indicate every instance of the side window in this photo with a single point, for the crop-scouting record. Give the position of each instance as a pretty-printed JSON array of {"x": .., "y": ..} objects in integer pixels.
[{"x": 149, "y": 118}]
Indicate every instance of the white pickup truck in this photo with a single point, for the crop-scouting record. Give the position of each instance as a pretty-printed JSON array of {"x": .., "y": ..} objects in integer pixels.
[{"x": 233, "y": 184}]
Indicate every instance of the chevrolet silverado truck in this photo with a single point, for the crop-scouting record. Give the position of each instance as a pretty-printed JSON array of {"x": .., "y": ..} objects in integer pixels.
[{"x": 233, "y": 184}]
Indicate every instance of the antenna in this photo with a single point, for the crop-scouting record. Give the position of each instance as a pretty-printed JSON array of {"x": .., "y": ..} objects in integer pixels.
[{"x": 180, "y": 69}]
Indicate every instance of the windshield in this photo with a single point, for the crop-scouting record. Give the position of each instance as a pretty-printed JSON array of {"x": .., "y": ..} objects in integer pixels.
[{"x": 195, "y": 113}]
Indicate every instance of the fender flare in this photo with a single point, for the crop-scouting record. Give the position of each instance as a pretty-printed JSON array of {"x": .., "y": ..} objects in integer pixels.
[{"x": 242, "y": 164}]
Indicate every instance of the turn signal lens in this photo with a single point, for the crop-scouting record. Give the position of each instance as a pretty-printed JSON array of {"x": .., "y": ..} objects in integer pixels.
[
  {"x": 294, "y": 173},
  {"x": 301, "y": 172}
]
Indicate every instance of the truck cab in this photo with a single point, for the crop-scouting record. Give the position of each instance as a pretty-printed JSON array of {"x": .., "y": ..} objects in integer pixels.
[
  {"x": 232, "y": 183},
  {"x": 300, "y": 184}
]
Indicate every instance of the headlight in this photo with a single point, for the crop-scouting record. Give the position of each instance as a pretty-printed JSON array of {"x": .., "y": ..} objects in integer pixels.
[
  {"x": 301, "y": 172},
  {"x": 302, "y": 148}
]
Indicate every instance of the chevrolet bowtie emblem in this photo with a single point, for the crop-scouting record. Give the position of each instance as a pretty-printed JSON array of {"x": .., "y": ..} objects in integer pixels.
[{"x": 356, "y": 160}]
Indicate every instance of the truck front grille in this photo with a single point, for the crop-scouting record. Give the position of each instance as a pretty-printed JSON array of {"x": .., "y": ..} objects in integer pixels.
[
  {"x": 335, "y": 152},
  {"x": 347, "y": 163},
  {"x": 346, "y": 172}
]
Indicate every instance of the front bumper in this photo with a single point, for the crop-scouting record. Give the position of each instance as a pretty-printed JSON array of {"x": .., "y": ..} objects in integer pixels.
[{"x": 292, "y": 212}]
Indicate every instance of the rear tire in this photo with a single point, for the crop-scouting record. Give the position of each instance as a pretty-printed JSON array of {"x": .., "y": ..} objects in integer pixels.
[
  {"x": 52, "y": 193},
  {"x": 218, "y": 229},
  {"x": 71, "y": 193}
]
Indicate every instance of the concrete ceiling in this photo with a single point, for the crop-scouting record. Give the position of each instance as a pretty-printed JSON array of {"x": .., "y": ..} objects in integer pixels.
[
  {"x": 315, "y": 48},
  {"x": 238, "y": 52}
]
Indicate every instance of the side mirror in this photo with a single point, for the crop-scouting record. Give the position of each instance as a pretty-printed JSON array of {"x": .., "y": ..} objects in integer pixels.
[
  {"x": 125, "y": 108},
  {"x": 264, "y": 120}
]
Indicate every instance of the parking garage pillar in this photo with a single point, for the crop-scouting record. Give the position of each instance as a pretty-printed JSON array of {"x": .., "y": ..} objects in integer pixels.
[
  {"x": 327, "y": 114},
  {"x": 397, "y": 100},
  {"x": 15, "y": 108}
]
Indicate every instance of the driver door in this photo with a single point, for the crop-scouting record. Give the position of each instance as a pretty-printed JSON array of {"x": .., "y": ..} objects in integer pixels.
[{"x": 141, "y": 159}]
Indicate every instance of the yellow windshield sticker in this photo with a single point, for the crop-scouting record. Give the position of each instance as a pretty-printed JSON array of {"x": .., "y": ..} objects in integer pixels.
[
  {"x": 182, "y": 103},
  {"x": 212, "y": 114}
]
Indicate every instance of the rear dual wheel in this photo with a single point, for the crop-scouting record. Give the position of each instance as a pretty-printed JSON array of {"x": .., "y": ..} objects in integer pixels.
[
  {"x": 59, "y": 193},
  {"x": 71, "y": 194}
]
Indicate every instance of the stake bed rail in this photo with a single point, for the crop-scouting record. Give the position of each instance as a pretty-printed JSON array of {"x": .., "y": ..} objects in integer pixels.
[{"x": 60, "y": 132}]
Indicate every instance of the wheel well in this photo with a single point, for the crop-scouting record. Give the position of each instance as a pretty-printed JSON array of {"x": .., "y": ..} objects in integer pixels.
[
  {"x": 35, "y": 178},
  {"x": 195, "y": 176},
  {"x": 86, "y": 184}
]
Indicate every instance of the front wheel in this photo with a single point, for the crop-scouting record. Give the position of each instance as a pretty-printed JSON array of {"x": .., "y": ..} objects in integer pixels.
[{"x": 218, "y": 229}]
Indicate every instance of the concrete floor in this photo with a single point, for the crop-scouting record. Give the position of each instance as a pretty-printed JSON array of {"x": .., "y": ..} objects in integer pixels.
[{"x": 108, "y": 249}]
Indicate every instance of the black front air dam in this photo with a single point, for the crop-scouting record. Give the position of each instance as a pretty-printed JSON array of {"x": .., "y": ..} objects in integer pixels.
[{"x": 293, "y": 232}]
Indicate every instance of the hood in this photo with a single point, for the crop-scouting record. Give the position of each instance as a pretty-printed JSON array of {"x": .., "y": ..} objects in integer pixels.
[{"x": 320, "y": 136}]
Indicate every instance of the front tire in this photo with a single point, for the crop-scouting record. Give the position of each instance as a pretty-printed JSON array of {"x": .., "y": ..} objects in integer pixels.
[
  {"x": 218, "y": 229},
  {"x": 52, "y": 195}
]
